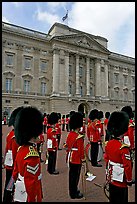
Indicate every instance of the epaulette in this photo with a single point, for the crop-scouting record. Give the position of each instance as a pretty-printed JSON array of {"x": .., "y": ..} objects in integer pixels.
[
  {"x": 13, "y": 136},
  {"x": 124, "y": 145},
  {"x": 32, "y": 153},
  {"x": 19, "y": 148},
  {"x": 79, "y": 136},
  {"x": 131, "y": 124},
  {"x": 106, "y": 143},
  {"x": 53, "y": 130}
]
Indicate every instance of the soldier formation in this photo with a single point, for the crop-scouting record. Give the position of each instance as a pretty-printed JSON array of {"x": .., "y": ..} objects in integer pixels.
[{"x": 111, "y": 138}]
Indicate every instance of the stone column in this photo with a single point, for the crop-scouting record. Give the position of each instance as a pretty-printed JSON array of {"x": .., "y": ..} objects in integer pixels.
[
  {"x": 106, "y": 79},
  {"x": 77, "y": 75},
  {"x": 88, "y": 77},
  {"x": 56, "y": 72},
  {"x": 66, "y": 72},
  {"x": 97, "y": 79}
]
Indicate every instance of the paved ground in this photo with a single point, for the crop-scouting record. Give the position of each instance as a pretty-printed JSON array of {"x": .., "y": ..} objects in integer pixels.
[{"x": 55, "y": 187}]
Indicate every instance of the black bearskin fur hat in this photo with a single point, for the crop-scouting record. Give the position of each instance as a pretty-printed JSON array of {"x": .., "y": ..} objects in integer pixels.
[
  {"x": 100, "y": 115},
  {"x": 13, "y": 116},
  {"x": 53, "y": 118},
  {"x": 71, "y": 113},
  {"x": 59, "y": 115},
  {"x": 28, "y": 124},
  {"x": 93, "y": 114},
  {"x": 107, "y": 114},
  {"x": 118, "y": 123},
  {"x": 128, "y": 110},
  {"x": 76, "y": 121}
]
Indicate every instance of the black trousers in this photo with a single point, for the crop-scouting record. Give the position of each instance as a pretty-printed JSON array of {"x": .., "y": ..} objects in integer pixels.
[
  {"x": 74, "y": 175},
  {"x": 94, "y": 152},
  {"x": 44, "y": 128},
  {"x": 118, "y": 194},
  {"x": 63, "y": 127},
  {"x": 52, "y": 161},
  {"x": 8, "y": 195}
]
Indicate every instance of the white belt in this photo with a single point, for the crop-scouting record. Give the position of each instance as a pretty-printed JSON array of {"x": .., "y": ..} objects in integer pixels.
[
  {"x": 115, "y": 164},
  {"x": 20, "y": 177},
  {"x": 74, "y": 149}
]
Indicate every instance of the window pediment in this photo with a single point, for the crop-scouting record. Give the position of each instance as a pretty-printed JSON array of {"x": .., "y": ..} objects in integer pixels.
[
  {"x": 9, "y": 73},
  {"x": 43, "y": 78},
  {"x": 27, "y": 76}
]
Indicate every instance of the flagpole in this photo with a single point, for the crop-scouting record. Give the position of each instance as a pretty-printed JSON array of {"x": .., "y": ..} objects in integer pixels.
[{"x": 67, "y": 17}]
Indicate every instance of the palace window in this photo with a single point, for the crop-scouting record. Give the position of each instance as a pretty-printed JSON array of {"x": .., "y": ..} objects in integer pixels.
[
  {"x": 91, "y": 91},
  {"x": 70, "y": 70},
  {"x": 43, "y": 88},
  {"x": 91, "y": 73},
  {"x": 26, "y": 86},
  {"x": 9, "y": 59},
  {"x": 116, "y": 78},
  {"x": 8, "y": 84},
  {"x": 125, "y": 79},
  {"x": 81, "y": 90},
  {"x": 125, "y": 96},
  {"x": 80, "y": 71},
  {"x": 43, "y": 66},
  {"x": 27, "y": 62},
  {"x": 133, "y": 81}
]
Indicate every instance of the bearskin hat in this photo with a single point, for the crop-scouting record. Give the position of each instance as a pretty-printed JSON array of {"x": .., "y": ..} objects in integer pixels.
[
  {"x": 53, "y": 118},
  {"x": 118, "y": 123},
  {"x": 107, "y": 114},
  {"x": 128, "y": 110},
  {"x": 71, "y": 113},
  {"x": 13, "y": 116},
  {"x": 93, "y": 114},
  {"x": 100, "y": 115},
  {"x": 76, "y": 121},
  {"x": 59, "y": 115},
  {"x": 28, "y": 124}
]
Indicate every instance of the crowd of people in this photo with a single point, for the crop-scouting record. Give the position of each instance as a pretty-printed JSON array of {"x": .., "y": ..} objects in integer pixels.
[{"x": 113, "y": 133}]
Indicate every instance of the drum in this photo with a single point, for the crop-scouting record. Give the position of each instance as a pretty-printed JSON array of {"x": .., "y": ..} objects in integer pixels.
[{"x": 88, "y": 151}]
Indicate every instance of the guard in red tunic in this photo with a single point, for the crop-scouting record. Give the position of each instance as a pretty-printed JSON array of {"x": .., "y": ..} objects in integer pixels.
[
  {"x": 52, "y": 143},
  {"x": 107, "y": 114},
  {"x": 75, "y": 154},
  {"x": 58, "y": 130},
  {"x": 45, "y": 123},
  {"x": 94, "y": 136},
  {"x": 10, "y": 155},
  {"x": 27, "y": 168},
  {"x": 118, "y": 160},
  {"x": 63, "y": 123},
  {"x": 131, "y": 127},
  {"x": 40, "y": 145}
]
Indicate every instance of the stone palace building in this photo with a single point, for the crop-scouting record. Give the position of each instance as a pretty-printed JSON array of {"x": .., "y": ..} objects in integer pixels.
[{"x": 63, "y": 70}]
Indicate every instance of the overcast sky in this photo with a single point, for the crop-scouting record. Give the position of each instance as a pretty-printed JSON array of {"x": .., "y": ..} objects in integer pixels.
[{"x": 114, "y": 21}]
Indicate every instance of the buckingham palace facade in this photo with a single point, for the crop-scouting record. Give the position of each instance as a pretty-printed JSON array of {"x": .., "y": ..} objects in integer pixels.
[{"x": 63, "y": 70}]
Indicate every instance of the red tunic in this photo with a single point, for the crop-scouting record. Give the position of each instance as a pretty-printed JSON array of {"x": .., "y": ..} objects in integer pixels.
[
  {"x": 11, "y": 144},
  {"x": 28, "y": 165},
  {"x": 45, "y": 121},
  {"x": 51, "y": 134},
  {"x": 117, "y": 152},
  {"x": 93, "y": 131},
  {"x": 130, "y": 133},
  {"x": 76, "y": 142},
  {"x": 58, "y": 128}
]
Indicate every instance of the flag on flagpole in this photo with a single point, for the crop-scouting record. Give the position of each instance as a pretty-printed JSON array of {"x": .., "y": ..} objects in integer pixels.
[{"x": 65, "y": 17}]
